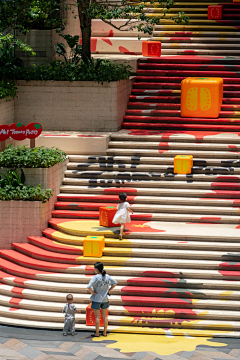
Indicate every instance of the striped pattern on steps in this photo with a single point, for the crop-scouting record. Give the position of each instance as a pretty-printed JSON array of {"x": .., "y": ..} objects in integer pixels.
[
  {"x": 154, "y": 103},
  {"x": 200, "y": 37},
  {"x": 177, "y": 268}
]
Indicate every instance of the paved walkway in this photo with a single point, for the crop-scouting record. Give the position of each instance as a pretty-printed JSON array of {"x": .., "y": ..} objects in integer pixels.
[{"x": 25, "y": 344}]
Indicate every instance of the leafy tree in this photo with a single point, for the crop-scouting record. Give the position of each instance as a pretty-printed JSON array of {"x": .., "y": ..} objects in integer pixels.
[
  {"x": 134, "y": 13},
  {"x": 23, "y": 15}
]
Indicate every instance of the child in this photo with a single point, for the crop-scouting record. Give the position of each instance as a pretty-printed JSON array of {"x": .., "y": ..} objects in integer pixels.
[
  {"x": 69, "y": 310},
  {"x": 122, "y": 215}
]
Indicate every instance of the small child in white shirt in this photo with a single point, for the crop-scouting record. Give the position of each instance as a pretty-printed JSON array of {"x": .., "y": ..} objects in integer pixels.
[
  {"x": 122, "y": 215},
  {"x": 69, "y": 310}
]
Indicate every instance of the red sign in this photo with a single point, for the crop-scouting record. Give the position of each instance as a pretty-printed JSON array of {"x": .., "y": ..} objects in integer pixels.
[
  {"x": 18, "y": 131},
  {"x": 4, "y": 132},
  {"x": 33, "y": 130}
]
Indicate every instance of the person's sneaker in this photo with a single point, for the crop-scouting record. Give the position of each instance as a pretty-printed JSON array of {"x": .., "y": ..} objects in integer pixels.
[
  {"x": 64, "y": 334},
  {"x": 73, "y": 333}
]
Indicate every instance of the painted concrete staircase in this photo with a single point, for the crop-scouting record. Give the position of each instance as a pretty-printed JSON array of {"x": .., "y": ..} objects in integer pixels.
[
  {"x": 178, "y": 265},
  {"x": 155, "y": 99},
  {"x": 200, "y": 37}
]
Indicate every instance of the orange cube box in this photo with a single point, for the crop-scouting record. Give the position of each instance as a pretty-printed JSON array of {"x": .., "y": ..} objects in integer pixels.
[
  {"x": 215, "y": 12},
  {"x": 106, "y": 215},
  {"x": 201, "y": 97},
  {"x": 90, "y": 317},
  {"x": 183, "y": 164},
  {"x": 93, "y": 246},
  {"x": 151, "y": 48}
]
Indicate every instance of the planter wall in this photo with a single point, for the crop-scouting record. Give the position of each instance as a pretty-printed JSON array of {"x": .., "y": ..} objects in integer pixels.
[
  {"x": 76, "y": 106},
  {"x": 19, "y": 219},
  {"x": 6, "y": 112},
  {"x": 41, "y": 43}
]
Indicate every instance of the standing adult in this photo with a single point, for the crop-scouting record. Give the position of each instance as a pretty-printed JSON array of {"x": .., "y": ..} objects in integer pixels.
[{"x": 100, "y": 286}]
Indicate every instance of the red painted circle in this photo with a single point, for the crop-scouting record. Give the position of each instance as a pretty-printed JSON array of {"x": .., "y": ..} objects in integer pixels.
[
  {"x": 17, "y": 131},
  {"x": 33, "y": 130},
  {"x": 4, "y": 132}
]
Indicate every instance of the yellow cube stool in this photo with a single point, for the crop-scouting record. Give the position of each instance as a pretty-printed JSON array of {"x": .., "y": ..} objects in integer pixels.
[
  {"x": 93, "y": 246},
  {"x": 201, "y": 97},
  {"x": 183, "y": 164}
]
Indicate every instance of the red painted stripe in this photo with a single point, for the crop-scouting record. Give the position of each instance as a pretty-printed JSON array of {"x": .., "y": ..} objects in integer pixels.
[
  {"x": 226, "y": 185},
  {"x": 173, "y": 292},
  {"x": 153, "y": 85},
  {"x": 174, "y": 119},
  {"x": 45, "y": 254},
  {"x": 142, "y": 125},
  {"x": 17, "y": 290},
  {"x": 34, "y": 263},
  {"x": 12, "y": 268},
  {"x": 197, "y": 66},
  {"x": 188, "y": 72},
  {"x": 15, "y": 301},
  {"x": 157, "y": 301},
  {"x": 177, "y": 113},
  {"x": 52, "y": 245}
]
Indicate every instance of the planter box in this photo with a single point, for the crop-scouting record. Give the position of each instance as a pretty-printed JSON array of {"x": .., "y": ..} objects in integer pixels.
[
  {"x": 19, "y": 219},
  {"x": 6, "y": 111},
  {"x": 76, "y": 106}
]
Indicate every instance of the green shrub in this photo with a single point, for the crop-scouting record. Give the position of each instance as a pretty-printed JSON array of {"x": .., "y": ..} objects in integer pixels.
[
  {"x": 24, "y": 157},
  {"x": 12, "y": 188},
  {"x": 7, "y": 90},
  {"x": 25, "y": 193},
  {"x": 100, "y": 70}
]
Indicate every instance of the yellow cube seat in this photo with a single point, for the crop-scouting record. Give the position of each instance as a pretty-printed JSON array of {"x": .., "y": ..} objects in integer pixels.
[
  {"x": 201, "y": 97},
  {"x": 183, "y": 164},
  {"x": 93, "y": 246}
]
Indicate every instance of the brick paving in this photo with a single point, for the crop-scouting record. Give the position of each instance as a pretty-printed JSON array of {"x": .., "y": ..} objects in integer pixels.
[{"x": 25, "y": 344}]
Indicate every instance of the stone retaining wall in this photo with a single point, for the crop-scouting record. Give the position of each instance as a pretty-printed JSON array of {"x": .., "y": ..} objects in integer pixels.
[
  {"x": 76, "y": 106},
  {"x": 19, "y": 219},
  {"x": 6, "y": 111}
]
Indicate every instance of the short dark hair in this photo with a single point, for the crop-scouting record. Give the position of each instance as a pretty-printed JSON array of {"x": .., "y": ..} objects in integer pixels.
[
  {"x": 69, "y": 297},
  {"x": 123, "y": 196}
]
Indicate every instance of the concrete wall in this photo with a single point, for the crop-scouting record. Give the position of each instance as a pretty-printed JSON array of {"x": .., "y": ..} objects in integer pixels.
[
  {"x": 42, "y": 44},
  {"x": 6, "y": 112},
  {"x": 19, "y": 219},
  {"x": 76, "y": 106},
  {"x": 74, "y": 143}
]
